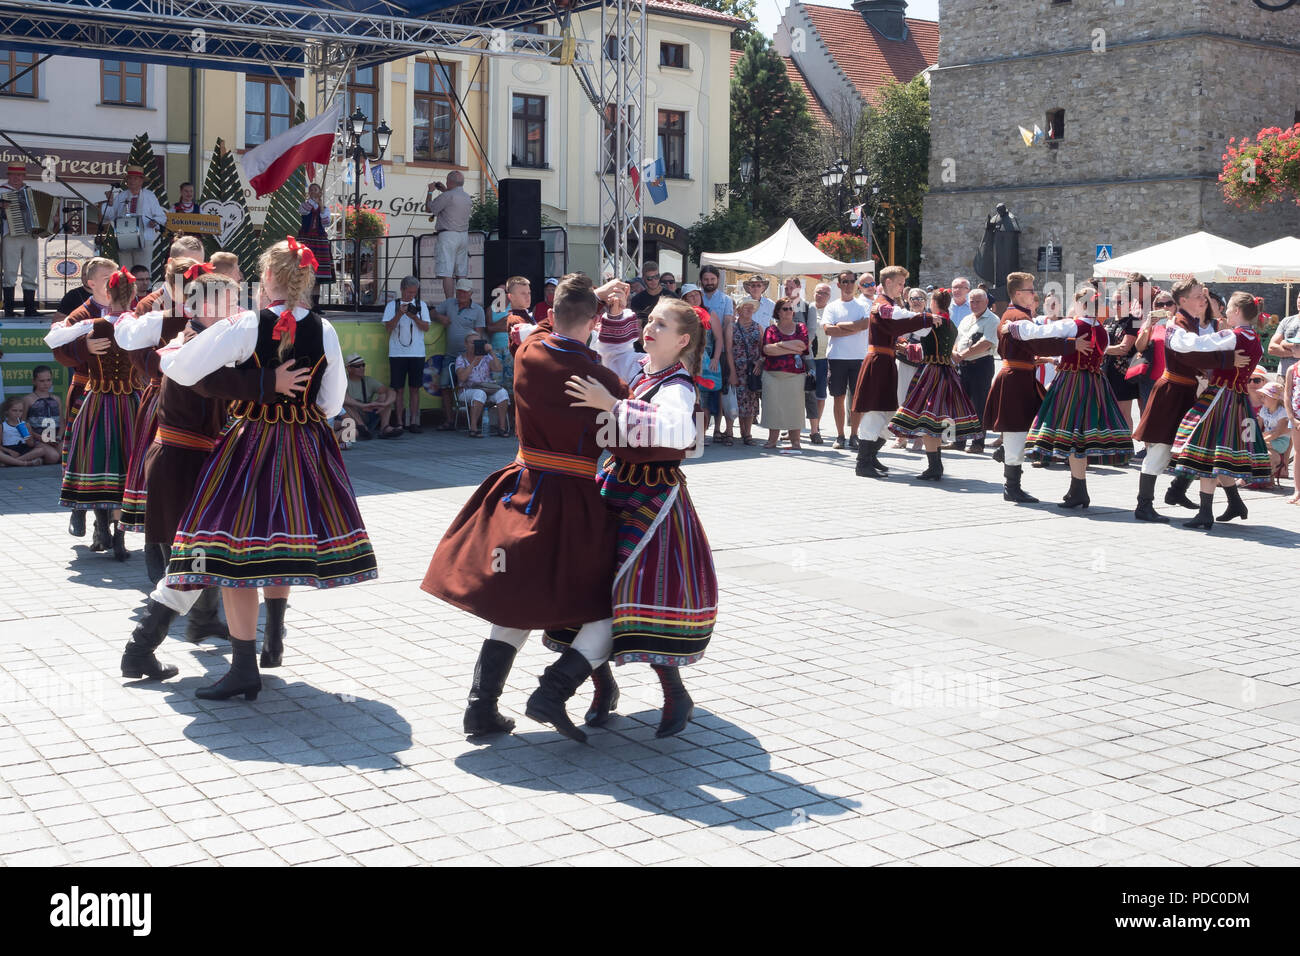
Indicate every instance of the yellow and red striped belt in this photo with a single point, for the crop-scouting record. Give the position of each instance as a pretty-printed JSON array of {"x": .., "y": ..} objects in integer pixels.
[
  {"x": 180, "y": 438},
  {"x": 1018, "y": 366},
  {"x": 881, "y": 350},
  {"x": 80, "y": 378},
  {"x": 1169, "y": 376},
  {"x": 556, "y": 462}
]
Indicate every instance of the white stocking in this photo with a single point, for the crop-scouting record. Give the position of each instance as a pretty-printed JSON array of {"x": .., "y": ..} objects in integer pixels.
[{"x": 1013, "y": 447}]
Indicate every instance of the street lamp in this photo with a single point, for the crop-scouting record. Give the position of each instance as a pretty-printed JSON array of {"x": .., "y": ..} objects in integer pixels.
[
  {"x": 843, "y": 186},
  {"x": 747, "y": 169},
  {"x": 357, "y": 123}
]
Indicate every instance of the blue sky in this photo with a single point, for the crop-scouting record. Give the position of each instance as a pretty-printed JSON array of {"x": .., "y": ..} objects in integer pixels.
[{"x": 771, "y": 11}]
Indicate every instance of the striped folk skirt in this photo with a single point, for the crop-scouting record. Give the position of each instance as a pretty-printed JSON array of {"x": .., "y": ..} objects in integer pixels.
[
  {"x": 1080, "y": 417},
  {"x": 320, "y": 247},
  {"x": 1220, "y": 437},
  {"x": 146, "y": 425},
  {"x": 937, "y": 406},
  {"x": 76, "y": 398},
  {"x": 273, "y": 507},
  {"x": 665, "y": 587},
  {"x": 100, "y": 443}
]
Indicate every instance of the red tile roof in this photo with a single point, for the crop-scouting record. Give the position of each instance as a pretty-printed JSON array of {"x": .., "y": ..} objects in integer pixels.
[
  {"x": 866, "y": 57},
  {"x": 693, "y": 11},
  {"x": 797, "y": 78}
]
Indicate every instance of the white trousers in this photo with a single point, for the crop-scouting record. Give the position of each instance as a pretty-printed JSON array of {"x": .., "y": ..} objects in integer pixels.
[
  {"x": 593, "y": 641},
  {"x": 1013, "y": 447},
  {"x": 179, "y": 601},
  {"x": 873, "y": 425},
  {"x": 20, "y": 250},
  {"x": 130, "y": 258},
  {"x": 1157, "y": 459},
  {"x": 905, "y": 375}
]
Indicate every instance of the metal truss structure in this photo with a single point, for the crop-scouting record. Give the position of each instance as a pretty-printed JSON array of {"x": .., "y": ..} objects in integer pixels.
[{"x": 622, "y": 100}]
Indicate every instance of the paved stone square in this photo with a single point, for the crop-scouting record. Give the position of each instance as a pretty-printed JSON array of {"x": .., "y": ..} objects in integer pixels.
[{"x": 903, "y": 673}]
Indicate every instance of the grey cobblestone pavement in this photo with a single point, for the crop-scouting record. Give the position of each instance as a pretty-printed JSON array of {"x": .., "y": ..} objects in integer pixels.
[{"x": 903, "y": 673}]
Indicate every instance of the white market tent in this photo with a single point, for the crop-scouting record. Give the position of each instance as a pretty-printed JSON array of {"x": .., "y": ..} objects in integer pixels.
[
  {"x": 1199, "y": 255},
  {"x": 1276, "y": 262},
  {"x": 787, "y": 252}
]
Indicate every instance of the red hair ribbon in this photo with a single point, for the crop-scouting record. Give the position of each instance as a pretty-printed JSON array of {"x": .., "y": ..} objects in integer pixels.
[
  {"x": 117, "y": 277},
  {"x": 306, "y": 258},
  {"x": 198, "y": 269},
  {"x": 1259, "y": 303},
  {"x": 287, "y": 325}
]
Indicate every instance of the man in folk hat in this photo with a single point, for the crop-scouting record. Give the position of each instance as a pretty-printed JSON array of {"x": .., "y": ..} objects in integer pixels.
[
  {"x": 18, "y": 251},
  {"x": 135, "y": 200}
]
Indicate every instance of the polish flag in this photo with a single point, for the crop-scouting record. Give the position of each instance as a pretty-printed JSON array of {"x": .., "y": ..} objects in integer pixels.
[{"x": 271, "y": 164}]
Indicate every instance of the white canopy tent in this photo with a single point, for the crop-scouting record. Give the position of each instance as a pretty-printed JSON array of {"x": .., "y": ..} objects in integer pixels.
[
  {"x": 1276, "y": 263},
  {"x": 1199, "y": 255},
  {"x": 784, "y": 253}
]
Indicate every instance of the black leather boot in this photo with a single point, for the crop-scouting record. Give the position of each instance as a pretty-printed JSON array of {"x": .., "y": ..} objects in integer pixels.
[
  {"x": 29, "y": 304},
  {"x": 102, "y": 538},
  {"x": 1077, "y": 496},
  {"x": 119, "y": 542},
  {"x": 1205, "y": 516},
  {"x": 495, "y": 659},
  {"x": 878, "y": 444},
  {"x": 1236, "y": 507},
  {"x": 10, "y": 312},
  {"x": 865, "y": 467},
  {"x": 1146, "y": 498},
  {"x": 155, "y": 562},
  {"x": 138, "y": 659},
  {"x": 556, "y": 685},
  {"x": 77, "y": 523},
  {"x": 1000, "y": 455},
  {"x": 1177, "y": 492},
  {"x": 242, "y": 678},
  {"x": 678, "y": 706},
  {"x": 935, "y": 470},
  {"x": 605, "y": 697},
  {"x": 273, "y": 636},
  {"x": 1011, "y": 490},
  {"x": 204, "y": 620}
]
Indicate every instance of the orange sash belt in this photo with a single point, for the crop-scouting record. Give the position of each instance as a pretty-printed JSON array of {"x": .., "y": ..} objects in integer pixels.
[
  {"x": 1169, "y": 376},
  {"x": 180, "y": 438},
  {"x": 881, "y": 350},
  {"x": 1018, "y": 366},
  {"x": 556, "y": 462},
  {"x": 80, "y": 378}
]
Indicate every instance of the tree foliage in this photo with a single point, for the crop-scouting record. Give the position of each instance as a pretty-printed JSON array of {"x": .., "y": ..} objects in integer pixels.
[
  {"x": 727, "y": 229},
  {"x": 894, "y": 137},
  {"x": 741, "y": 10}
]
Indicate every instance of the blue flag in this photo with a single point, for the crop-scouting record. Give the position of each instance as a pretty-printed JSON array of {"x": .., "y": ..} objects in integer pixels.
[
  {"x": 377, "y": 174},
  {"x": 656, "y": 184}
]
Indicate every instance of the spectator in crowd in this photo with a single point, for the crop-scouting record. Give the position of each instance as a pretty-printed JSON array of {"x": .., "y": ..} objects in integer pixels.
[
  {"x": 756, "y": 288},
  {"x": 718, "y": 403},
  {"x": 1277, "y": 428},
  {"x": 713, "y": 298},
  {"x": 810, "y": 313},
  {"x": 865, "y": 291},
  {"x": 1122, "y": 326},
  {"x": 1285, "y": 343},
  {"x": 407, "y": 319},
  {"x": 143, "y": 281},
  {"x": 1214, "y": 307},
  {"x": 960, "y": 307},
  {"x": 1150, "y": 345},
  {"x": 459, "y": 317},
  {"x": 669, "y": 282},
  {"x": 634, "y": 285},
  {"x": 72, "y": 300},
  {"x": 1258, "y": 379},
  {"x": 785, "y": 351},
  {"x": 1291, "y": 400},
  {"x": 367, "y": 403},
  {"x": 845, "y": 322},
  {"x": 478, "y": 372},
  {"x": 43, "y": 413},
  {"x": 642, "y": 302},
  {"x": 747, "y": 358},
  {"x": 977, "y": 341},
  {"x": 19, "y": 448},
  {"x": 543, "y": 308}
]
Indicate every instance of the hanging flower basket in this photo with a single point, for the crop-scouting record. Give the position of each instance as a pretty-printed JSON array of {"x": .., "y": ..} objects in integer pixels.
[
  {"x": 842, "y": 246},
  {"x": 369, "y": 224},
  {"x": 1264, "y": 170}
]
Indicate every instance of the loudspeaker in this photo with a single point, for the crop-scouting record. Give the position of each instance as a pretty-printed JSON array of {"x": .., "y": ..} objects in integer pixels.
[
  {"x": 519, "y": 209},
  {"x": 503, "y": 258}
]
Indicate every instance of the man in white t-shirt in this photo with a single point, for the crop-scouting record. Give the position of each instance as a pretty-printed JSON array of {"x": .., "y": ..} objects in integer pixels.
[
  {"x": 845, "y": 322},
  {"x": 406, "y": 321}
]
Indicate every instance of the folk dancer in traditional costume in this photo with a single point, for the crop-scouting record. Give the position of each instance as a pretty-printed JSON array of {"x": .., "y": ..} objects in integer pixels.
[
  {"x": 313, "y": 233},
  {"x": 875, "y": 396},
  {"x": 936, "y": 407},
  {"x": 274, "y": 506},
  {"x": 95, "y": 476},
  {"x": 1173, "y": 396},
  {"x": 1015, "y": 396},
  {"x": 665, "y": 586},
  {"x": 190, "y": 420},
  {"x": 1079, "y": 418},
  {"x": 534, "y": 545},
  {"x": 182, "y": 247},
  {"x": 1220, "y": 439}
]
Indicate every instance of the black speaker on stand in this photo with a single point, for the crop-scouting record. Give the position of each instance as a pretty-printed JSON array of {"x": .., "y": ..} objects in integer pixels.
[
  {"x": 519, "y": 209},
  {"x": 503, "y": 258}
]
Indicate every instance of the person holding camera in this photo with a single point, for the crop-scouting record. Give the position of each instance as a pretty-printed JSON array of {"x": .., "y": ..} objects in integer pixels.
[
  {"x": 452, "y": 209},
  {"x": 477, "y": 374},
  {"x": 406, "y": 321}
]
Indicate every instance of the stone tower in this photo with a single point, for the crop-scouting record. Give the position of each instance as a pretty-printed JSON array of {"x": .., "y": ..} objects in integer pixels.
[{"x": 1150, "y": 91}]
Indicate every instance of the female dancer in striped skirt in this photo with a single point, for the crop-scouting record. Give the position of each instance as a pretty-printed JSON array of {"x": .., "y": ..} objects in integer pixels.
[
  {"x": 1220, "y": 439},
  {"x": 937, "y": 408},
  {"x": 665, "y": 587},
  {"x": 273, "y": 507},
  {"x": 1079, "y": 416},
  {"x": 95, "y": 476}
]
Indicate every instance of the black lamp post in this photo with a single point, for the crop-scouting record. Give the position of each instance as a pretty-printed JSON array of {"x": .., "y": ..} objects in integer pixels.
[
  {"x": 843, "y": 185},
  {"x": 356, "y": 129},
  {"x": 747, "y": 177}
]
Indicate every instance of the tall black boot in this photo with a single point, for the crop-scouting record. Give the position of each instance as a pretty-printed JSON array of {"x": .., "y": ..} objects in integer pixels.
[
  {"x": 102, "y": 539},
  {"x": 935, "y": 470},
  {"x": 605, "y": 697},
  {"x": 273, "y": 636},
  {"x": 1146, "y": 497},
  {"x": 119, "y": 542},
  {"x": 10, "y": 312},
  {"x": 138, "y": 659},
  {"x": 1077, "y": 496},
  {"x": 1205, "y": 516},
  {"x": 242, "y": 678},
  {"x": 1236, "y": 507},
  {"x": 876, "y": 463},
  {"x": 556, "y": 685},
  {"x": 1177, "y": 493},
  {"x": 204, "y": 620},
  {"x": 869, "y": 465},
  {"x": 77, "y": 523},
  {"x": 495, "y": 659},
  {"x": 1011, "y": 490},
  {"x": 29, "y": 304},
  {"x": 678, "y": 706},
  {"x": 155, "y": 561}
]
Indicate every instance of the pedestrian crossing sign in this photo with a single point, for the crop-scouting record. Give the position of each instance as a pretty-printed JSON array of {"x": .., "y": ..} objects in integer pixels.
[{"x": 1103, "y": 253}]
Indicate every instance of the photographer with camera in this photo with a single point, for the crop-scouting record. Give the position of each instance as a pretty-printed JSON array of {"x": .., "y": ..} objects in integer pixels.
[
  {"x": 406, "y": 321},
  {"x": 977, "y": 338},
  {"x": 478, "y": 374}
]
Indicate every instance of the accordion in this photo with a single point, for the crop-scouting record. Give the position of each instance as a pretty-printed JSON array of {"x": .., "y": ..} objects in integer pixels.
[{"x": 21, "y": 212}]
